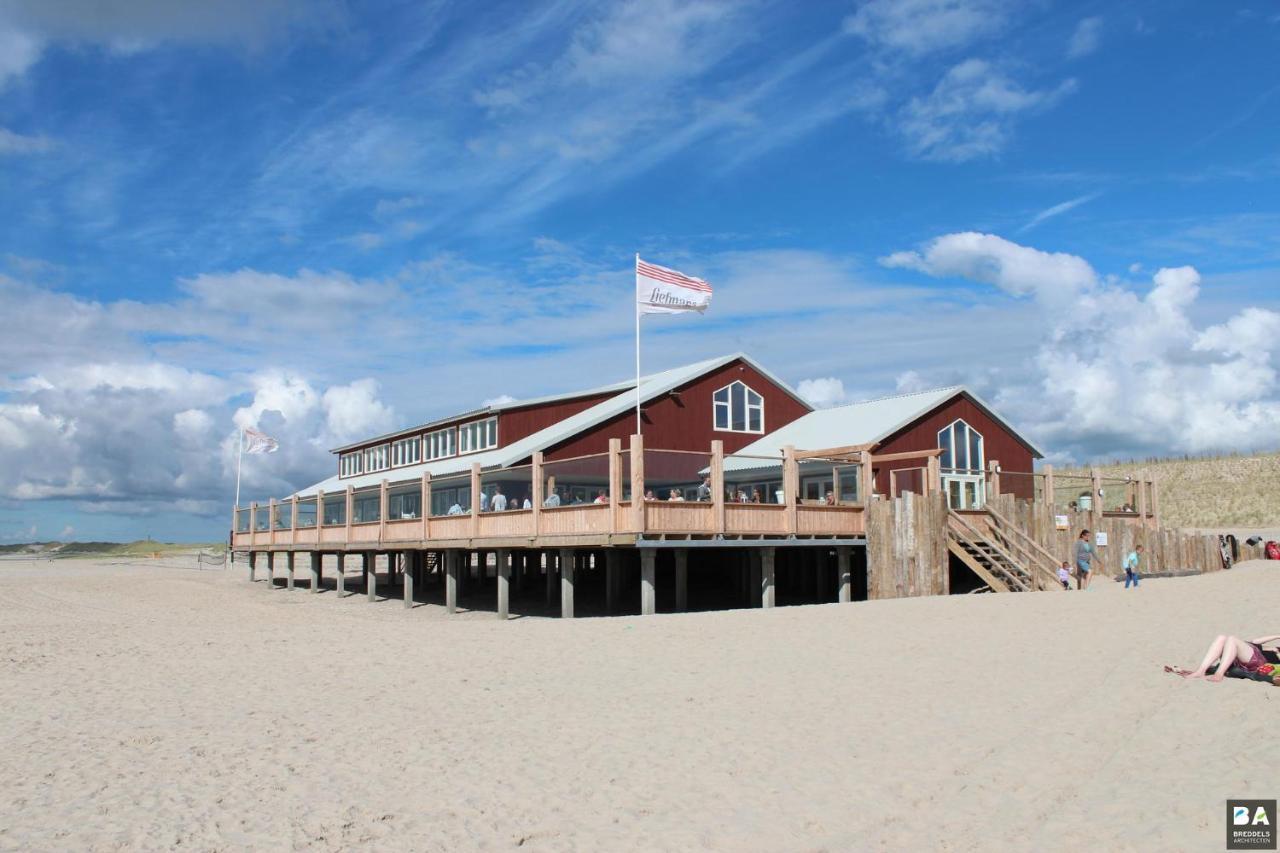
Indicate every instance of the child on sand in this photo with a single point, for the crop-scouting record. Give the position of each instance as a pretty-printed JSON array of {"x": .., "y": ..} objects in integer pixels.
[
  {"x": 1131, "y": 562},
  {"x": 1064, "y": 575}
]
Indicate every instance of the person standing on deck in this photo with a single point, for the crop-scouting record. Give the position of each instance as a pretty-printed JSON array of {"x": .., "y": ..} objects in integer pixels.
[
  {"x": 704, "y": 491},
  {"x": 1084, "y": 559},
  {"x": 499, "y": 501},
  {"x": 1131, "y": 563},
  {"x": 484, "y": 501}
]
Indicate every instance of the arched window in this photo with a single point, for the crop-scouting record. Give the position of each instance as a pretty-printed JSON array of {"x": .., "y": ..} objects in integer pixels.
[
  {"x": 961, "y": 447},
  {"x": 737, "y": 408}
]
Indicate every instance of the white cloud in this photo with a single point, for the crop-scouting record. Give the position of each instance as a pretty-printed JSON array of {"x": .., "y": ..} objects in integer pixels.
[
  {"x": 923, "y": 26},
  {"x": 18, "y": 52},
  {"x": 67, "y": 533},
  {"x": 27, "y": 534},
  {"x": 970, "y": 112},
  {"x": 1057, "y": 210},
  {"x": 1086, "y": 38},
  {"x": 1119, "y": 371},
  {"x": 354, "y": 411},
  {"x": 823, "y": 392},
  {"x": 499, "y": 400}
]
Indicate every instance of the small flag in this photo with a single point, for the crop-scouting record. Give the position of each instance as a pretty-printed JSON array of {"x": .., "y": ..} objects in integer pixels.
[
  {"x": 665, "y": 291},
  {"x": 259, "y": 442}
]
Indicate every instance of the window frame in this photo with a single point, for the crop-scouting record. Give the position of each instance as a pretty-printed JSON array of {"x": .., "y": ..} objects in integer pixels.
[
  {"x": 351, "y": 464},
  {"x": 450, "y": 433},
  {"x": 949, "y": 449},
  {"x": 399, "y": 458},
  {"x": 488, "y": 426},
  {"x": 727, "y": 406}
]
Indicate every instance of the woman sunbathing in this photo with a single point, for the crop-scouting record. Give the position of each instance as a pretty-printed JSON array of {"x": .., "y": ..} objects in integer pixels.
[{"x": 1230, "y": 653}]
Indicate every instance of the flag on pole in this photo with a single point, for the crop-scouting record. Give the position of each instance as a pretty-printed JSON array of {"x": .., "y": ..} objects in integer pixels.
[
  {"x": 660, "y": 290},
  {"x": 259, "y": 442}
]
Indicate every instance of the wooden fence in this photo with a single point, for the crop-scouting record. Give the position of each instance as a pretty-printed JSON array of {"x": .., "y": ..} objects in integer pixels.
[{"x": 907, "y": 546}]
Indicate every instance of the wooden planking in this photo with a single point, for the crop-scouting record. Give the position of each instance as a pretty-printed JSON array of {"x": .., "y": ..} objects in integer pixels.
[
  {"x": 517, "y": 522},
  {"x": 679, "y": 517},
  {"x": 451, "y": 527},
  {"x": 567, "y": 520},
  {"x": 755, "y": 518},
  {"x": 830, "y": 520},
  {"x": 402, "y": 530},
  {"x": 907, "y": 546}
]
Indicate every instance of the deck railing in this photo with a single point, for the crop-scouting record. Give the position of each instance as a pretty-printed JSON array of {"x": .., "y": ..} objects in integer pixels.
[{"x": 616, "y": 492}]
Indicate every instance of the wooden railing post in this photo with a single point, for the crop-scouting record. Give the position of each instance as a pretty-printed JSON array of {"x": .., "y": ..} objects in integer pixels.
[
  {"x": 319, "y": 516},
  {"x": 1155, "y": 503},
  {"x": 717, "y": 484},
  {"x": 293, "y": 520},
  {"x": 637, "y": 483},
  {"x": 867, "y": 477},
  {"x": 537, "y": 493},
  {"x": 271, "y": 520},
  {"x": 933, "y": 475},
  {"x": 351, "y": 505},
  {"x": 615, "y": 481},
  {"x": 425, "y": 505},
  {"x": 1049, "y": 490},
  {"x": 1095, "y": 503},
  {"x": 993, "y": 475},
  {"x": 790, "y": 486},
  {"x": 383, "y": 503},
  {"x": 475, "y": 499},
  {"x": 253, "y": 520}
]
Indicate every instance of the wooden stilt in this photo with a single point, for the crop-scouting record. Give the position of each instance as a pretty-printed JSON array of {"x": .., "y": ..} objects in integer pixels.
[
  {"x": 767, "y": 556},
  {"x": 316, "y": 556},
  {"x": 253, "y": 567},
  {"x": 371, "y": 576},
  {"x": 682, "y": 579},
  {"x": 504, "y": 581},
  {"x": 410, "y": 571},
  {"x": 648, "y": 583},
  {"x": 289, "y": 567},
  {"x": 271, "y": 569},
  {"x": 451, "y": 561},
  {"x": 843, "y": 574},
  {"x": 566, "y": 583},
  {"x": 342, "y": 573}
]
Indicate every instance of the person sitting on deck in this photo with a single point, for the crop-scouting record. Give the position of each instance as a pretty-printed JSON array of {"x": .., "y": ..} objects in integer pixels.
[
  {"x": 601, "y": 498},
  {"x": 552, "y": 499},
  {"x": 457, "y": 509},
  {"x": 704, "y": 491},
  {"x": 831, "y": 499},
  {"x": 755, "y": 496},
  {"x": 676, "y": 496},
  {"x": 649, "y": 495},
  {"x": 1237, "y": 658},
  {"x": 526, "y": 503},
  {"x": 499, "y": 501}
]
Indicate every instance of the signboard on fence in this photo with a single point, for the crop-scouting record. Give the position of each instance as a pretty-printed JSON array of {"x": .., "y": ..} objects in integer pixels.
[
  {"x": 1101, "y": 539},
  {"x": 1060, "y": 522}
]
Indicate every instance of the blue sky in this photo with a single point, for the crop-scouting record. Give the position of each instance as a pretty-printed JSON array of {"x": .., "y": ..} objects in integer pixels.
[{"x": 331, "y": 219}]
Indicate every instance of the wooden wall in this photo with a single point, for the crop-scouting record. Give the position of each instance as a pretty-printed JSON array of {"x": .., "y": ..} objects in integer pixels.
[{"x": 907, "y": 546}]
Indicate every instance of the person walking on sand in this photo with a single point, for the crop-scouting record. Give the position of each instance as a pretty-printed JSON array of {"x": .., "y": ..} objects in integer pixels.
[
  {"x": 1084, "y": 560},
  {"x": 1131, "y": 562}
]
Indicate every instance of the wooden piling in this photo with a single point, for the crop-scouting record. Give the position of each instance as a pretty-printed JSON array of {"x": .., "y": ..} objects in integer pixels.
[
  {"x": 682, "y": 579},
  {"x": 648, "y": 583},
  {"x": 504, "y": 582},
  {"x": 767, "y": 559},
  {"x": 566, "y": 583}
]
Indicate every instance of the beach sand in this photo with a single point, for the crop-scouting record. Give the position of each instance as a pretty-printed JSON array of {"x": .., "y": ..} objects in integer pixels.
[{"x": 156, "y": 706}]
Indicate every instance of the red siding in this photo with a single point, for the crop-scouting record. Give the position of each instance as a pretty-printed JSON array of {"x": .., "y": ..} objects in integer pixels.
[
  {"x": 999, "y": 443},
  {"x": 684, "y": 422},
  {"x": 515, "y": 424}
]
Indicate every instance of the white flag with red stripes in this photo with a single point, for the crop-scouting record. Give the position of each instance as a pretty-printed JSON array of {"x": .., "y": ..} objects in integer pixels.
[
  {"x": 660, "y": 290},
  {"x": 259, "y": 442}
]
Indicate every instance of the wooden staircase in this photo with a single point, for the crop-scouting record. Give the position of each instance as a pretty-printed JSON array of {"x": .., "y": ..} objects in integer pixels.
[{"x": 1006, "y": 559}]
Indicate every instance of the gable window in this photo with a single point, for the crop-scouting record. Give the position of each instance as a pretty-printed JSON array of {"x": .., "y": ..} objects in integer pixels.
[
  {"x": 961, "y": 447},
  {"x": 440, "y": 443},
  {"x": 736, "y": 408},
  {"x": 478, "y": 435},
  {"x": 375, "y": 458},
  {"x": 406, "y": 451},
  {"x": 350, "y": 464}
]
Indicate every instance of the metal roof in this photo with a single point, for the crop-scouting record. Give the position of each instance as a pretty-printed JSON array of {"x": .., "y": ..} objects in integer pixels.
[
  {"x": 651, "y": 386},
  {"x": 868, "y": 422}
]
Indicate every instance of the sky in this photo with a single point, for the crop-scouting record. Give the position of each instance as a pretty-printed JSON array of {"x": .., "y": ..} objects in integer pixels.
[{"x": 329, "y": 220}]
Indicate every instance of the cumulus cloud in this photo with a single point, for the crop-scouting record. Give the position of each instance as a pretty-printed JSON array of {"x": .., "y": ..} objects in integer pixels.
[
  {"x": 970, "y": 112},
  {"x": 1123, "y": 370},
  {"x": 499, "y": 400},
  {"x": 823, "y": 392},
  {"x": 17, "y": 143}
]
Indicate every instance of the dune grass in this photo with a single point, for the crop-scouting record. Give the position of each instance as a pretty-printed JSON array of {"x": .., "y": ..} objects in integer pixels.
[{"x": 1211, "y": 491}]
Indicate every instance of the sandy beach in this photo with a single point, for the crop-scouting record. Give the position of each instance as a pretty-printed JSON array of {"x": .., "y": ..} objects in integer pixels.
[{"x": 153, "y": 705}]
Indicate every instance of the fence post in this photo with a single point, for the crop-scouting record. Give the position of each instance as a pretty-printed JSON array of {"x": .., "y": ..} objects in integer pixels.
[
  {"x": 867, "y": 474},
  {"x": 1155, "y": 502},
  {"x": 790, "y": 486},
  {"x": 424, "y": 505},
  {"x": 253, "y": 521},
  {"x": 319, "y": 517},
  {"x": 271, "y": 521},
  {"x": 993, "y": 474},
  {"x": 615, "y": 481},
  {"x": 934, "y": 475},
  {"x": 475, "y": 499},
  {"x": 536, "y": 473},
  {"x": 382, "y": 511},
  {"x": 717, "y": 484},
  {"x": 637, "y": 483},
  {"x": 1095, "y": 504}
]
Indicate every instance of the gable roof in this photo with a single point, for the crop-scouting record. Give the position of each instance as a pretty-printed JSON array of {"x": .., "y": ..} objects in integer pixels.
[
  {"x": 868, "y": 422},
  {"x": 651, "y": 387}
]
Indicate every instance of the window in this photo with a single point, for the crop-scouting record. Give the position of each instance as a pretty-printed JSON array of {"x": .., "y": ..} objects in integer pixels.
[
  {"x": 366, "y": 507},
  {"x": 307, "y": 513},
  {"x": 478, "y": 435},
  {"x": 738, "y": 409},
  {"x": 375, "y": 458},
  {"x": 350, "y": 464},
  {"x": 242, "y": 521},
  {"x": 444, "y": 498},
  {"x": 961, "y": 447},
  {"x": 440, "y": 443},
  {"x": 404, "y": 504},
  {"x": 335, "y": 510},
  {"x": 406, "y": 451},
  {"x": 283, "y": 517}
]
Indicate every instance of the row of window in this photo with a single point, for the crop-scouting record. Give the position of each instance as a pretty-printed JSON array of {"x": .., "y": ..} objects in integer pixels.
[{"x": 442, "y": 443}]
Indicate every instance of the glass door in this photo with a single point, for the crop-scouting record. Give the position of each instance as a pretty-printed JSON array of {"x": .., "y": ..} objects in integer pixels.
[{"x": 965, "y": 491}]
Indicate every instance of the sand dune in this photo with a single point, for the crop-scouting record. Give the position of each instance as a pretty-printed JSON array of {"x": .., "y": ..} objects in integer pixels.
[{"x": 151, "y": 707}]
